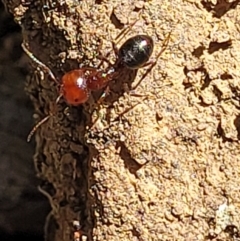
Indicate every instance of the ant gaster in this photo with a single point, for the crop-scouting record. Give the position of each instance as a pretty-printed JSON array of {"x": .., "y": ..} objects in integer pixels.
[
  {"x": 136, "y": 51},
  {"x": 76, "y": 85}
]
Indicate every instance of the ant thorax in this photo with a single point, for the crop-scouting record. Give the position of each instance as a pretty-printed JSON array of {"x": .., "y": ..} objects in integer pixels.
[{"x": 98, "y": 79}]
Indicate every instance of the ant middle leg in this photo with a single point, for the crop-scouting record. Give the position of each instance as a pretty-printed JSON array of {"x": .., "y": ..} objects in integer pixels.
[{"x": 98, "y": 104}]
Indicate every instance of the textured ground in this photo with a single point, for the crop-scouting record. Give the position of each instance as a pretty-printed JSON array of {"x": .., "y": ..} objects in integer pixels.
[
  {"x": 164, "y": 157},
  {"x": 19, "y": 197},
  {"x": 169, "y": 168}
]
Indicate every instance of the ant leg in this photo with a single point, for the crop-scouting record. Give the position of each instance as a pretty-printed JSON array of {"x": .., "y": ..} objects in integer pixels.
[
  {"x": 104, "y": 59},
  {"x": 36, "y": 127},
  {"x": 153, "y": 63},
  {"x": 97, "y": 107},
  {"x": 115, "y": 48},
  {"x": 130, "y": 108},
  {"x": 122, "y": 34},
  {"x": 125, "y": 31},
  {"x": 103, "y": 96},
  {"x": 37, "y": 61}
]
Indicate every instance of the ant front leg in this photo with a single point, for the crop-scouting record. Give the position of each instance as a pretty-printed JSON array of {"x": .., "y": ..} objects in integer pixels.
[{"x": 44, "y": 120}]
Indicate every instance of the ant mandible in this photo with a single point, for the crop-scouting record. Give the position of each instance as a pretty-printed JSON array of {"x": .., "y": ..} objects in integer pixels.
[{"x": 76, "y": 85}]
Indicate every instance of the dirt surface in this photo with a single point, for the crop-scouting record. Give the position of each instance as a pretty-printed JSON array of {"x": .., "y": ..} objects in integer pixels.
[
  {"x": 161, "y": 162},
  {"x": 20, "y": 200}
]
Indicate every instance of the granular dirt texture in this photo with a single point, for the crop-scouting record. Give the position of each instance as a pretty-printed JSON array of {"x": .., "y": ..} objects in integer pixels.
[
  {"x": 156, "y": 162},
  {"x": 19, "y": 198}
]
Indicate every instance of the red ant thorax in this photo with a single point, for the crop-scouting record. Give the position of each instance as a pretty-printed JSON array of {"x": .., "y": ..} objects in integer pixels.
[{"x": 99, "y": 79}]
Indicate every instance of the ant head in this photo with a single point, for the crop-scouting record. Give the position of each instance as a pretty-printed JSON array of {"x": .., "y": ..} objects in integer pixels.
[{"x": 74, "y": 87}]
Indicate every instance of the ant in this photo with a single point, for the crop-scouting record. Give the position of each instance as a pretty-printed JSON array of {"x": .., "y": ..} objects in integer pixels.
[{"x": 76, "y": 85}]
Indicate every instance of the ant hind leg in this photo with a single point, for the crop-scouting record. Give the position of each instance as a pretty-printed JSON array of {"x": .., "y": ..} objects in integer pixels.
[
  {"x": 154, "y": 62},
  {"x": 119, "y": 37}
]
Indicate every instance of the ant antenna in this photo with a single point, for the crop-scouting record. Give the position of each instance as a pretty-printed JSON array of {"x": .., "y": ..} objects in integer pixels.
[
  {"x": 50, "y": 73},
  {"x": 36, "y": 127},
  {"x": 37, "y": 61}
]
